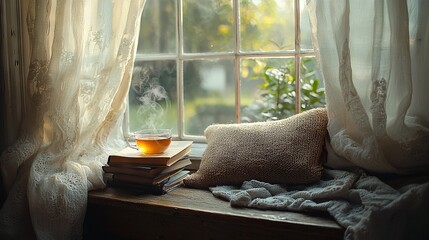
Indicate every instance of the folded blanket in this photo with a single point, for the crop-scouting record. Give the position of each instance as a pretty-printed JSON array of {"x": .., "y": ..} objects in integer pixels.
[{"x": 367, "y": 207}]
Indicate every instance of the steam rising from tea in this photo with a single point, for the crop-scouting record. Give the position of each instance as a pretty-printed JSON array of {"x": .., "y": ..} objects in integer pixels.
[{"x": 150, "y": 95}]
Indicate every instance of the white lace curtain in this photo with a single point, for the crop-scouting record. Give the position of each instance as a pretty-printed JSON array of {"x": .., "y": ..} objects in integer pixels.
[
  {"x": 81, "y": 55},
  {"x": 374, "y": 57}
]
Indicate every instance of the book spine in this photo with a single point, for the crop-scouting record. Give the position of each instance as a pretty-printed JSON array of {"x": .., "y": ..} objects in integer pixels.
[{"x": 148, "y": 173}]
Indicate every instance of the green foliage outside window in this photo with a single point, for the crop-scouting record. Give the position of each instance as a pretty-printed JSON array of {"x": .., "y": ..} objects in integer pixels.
[
  {"x": 268, "y": 90},
  {"x": 278, "y": 93}
]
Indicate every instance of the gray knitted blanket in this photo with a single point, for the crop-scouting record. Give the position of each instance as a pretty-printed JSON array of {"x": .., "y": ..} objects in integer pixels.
[{"x": 367, "y": 207}]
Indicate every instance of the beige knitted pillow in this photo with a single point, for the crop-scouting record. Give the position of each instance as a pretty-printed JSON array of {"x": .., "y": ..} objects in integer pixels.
[{"x": 286, "y": 151}]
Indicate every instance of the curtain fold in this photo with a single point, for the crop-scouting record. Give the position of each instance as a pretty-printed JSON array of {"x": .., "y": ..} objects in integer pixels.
[
  {"x": 81, "y": 59},
  {"x": 374, "y": 59}
]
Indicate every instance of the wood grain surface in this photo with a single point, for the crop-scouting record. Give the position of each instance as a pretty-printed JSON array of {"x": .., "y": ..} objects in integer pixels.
[{"x": 195, "y": 214}]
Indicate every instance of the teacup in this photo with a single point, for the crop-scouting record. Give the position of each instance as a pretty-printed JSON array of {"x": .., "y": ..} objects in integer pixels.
[{"x": 152, "y": 141}]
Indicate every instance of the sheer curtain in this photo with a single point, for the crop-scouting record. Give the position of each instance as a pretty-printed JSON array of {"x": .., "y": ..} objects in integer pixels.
[
  {"x": 374, "y": 57},
  {"x": 81, "y": 56}
]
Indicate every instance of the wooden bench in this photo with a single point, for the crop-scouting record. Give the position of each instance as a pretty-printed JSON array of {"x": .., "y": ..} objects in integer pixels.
[{"x": 195, "y": 214}]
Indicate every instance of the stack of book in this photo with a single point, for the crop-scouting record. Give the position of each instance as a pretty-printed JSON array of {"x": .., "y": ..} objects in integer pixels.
[{"x": 155, "y": 173}]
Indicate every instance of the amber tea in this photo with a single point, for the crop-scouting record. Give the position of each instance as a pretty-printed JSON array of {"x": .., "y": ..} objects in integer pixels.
[
  {"x": 152, "y": 141},
  {"x": 152, "y": 145}
]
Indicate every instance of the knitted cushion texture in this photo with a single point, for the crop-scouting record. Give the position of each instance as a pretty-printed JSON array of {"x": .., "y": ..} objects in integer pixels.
[{"x": 286, "y": 151}]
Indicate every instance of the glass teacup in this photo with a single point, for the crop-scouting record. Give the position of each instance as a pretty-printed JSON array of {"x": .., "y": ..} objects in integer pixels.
[{"x": 152, "y": 141}]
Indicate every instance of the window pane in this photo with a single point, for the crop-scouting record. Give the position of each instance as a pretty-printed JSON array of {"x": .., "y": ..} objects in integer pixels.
[
  {"x": 208, "y": 26},
  {"x": 312, "y": 87},
  {"x": 267, "y": 25},
  {"x": 152, "y": 95},
  {"x": 306, "y": 41},
  {"x": 209, "y": 94},
  {"x": 158, "y": 27},
  {"x": 267, "y": 89}
]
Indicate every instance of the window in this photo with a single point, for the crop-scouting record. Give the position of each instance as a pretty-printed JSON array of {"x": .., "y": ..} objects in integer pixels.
[{"x": 222, "y": 61}]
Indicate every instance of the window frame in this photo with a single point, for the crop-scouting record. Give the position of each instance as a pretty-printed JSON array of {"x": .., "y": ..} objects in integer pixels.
[{"x": 180, "y": 57}]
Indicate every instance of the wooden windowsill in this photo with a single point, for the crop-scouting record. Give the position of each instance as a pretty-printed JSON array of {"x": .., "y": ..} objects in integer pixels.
[{"x": 192, "y": 213}]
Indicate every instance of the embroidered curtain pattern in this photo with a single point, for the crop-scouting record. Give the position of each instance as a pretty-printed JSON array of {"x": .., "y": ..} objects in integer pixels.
[
  {"x": 374, "y": 58},
  {"x": 81, "y": 55}
]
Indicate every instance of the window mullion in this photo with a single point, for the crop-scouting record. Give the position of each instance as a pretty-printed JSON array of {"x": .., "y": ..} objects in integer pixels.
[
  {"x": 193, "y": 56},
  {"x": 237, "y": 59},
  {"x": 297, "y": 56},
  {"x": 179, "y": 72}
]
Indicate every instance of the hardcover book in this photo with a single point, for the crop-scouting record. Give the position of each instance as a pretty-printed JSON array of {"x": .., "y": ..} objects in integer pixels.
[
  {"x": 147, "y": 171},
  {"x": 142, "y": 180},
  {"x": 164, "y": 187},
  {"x": 176, "y": 151}
]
